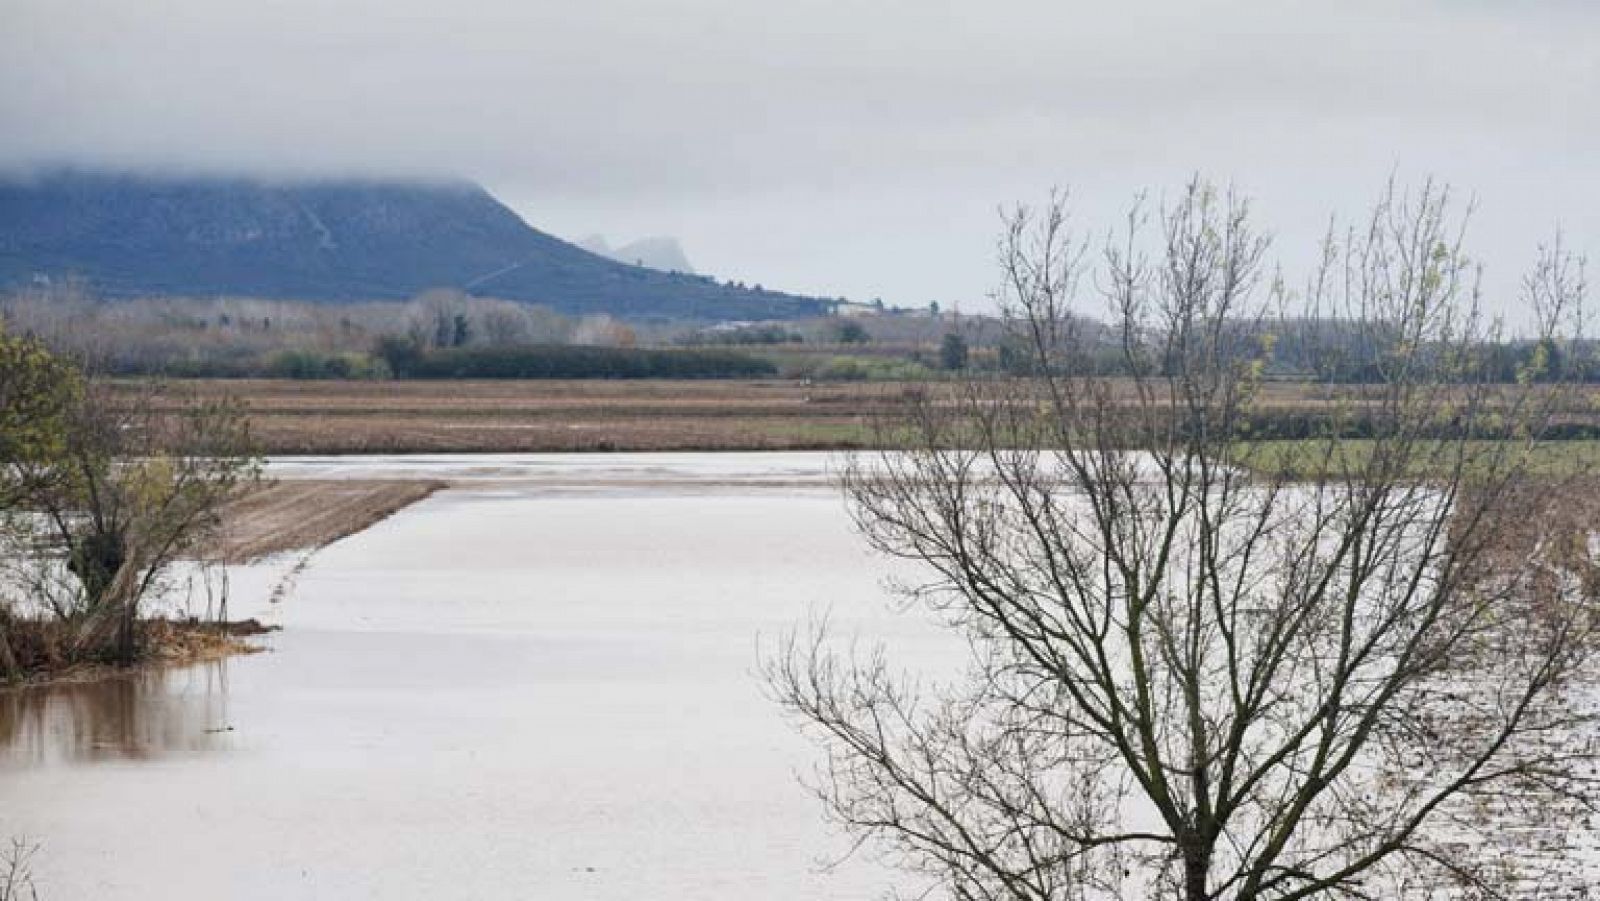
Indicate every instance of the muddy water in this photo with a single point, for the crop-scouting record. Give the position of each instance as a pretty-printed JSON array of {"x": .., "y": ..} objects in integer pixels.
[{"x": 510, "y": 690}]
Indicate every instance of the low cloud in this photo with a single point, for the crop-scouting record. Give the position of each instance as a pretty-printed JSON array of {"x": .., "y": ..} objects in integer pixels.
[{"x": 838, "y": 148}]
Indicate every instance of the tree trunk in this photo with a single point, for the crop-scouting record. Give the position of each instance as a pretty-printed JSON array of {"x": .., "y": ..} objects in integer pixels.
[
  {"x": 9, "y": 670},
  {"x": 1196, "y": 872},
  {"x": 128, "y": 634}
]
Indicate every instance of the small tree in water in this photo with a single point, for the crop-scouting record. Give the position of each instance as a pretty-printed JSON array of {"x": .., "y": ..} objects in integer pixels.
[
  {"x": 135, "y": 480},
  {"x": 1206, "y": 665}
]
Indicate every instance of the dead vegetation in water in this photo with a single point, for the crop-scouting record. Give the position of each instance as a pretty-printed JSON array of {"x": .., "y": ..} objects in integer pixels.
[{"x": 42, "y": 648}]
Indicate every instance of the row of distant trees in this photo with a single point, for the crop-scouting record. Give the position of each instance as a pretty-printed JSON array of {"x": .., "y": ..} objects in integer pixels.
[
  {"x": 1338, "y": 352},
  {"x": 452, "y": 332},
  {"x": 244, "y": 337}
]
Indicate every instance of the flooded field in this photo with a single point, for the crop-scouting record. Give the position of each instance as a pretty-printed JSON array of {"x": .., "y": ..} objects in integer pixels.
[{"x": 537, "y": 684}]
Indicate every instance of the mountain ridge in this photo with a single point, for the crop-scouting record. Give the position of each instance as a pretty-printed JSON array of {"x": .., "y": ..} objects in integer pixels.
[{"x": 332, "y": 240}]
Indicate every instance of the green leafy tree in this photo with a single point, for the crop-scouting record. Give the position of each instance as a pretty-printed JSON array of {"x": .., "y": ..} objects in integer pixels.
[
  {"x": 37, "y": 391},
  {"x": 848, "y": 332},
  {"x": 953, "y": 352}
]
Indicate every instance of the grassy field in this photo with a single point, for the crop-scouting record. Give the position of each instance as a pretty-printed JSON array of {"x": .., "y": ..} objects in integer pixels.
[{"x": 1305, "y": 459}]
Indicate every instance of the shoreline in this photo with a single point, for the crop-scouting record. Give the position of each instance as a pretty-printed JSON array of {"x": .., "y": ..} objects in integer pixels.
[{"x": 170, "y": 644}]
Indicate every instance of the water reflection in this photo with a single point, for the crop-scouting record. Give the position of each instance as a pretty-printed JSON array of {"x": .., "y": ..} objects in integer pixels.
[{"x": 140, "y": 716}]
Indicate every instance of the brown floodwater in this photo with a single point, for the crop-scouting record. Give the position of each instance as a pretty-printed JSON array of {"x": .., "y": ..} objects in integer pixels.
[
  {"x": 144, "y": 716},
  {"x": 539, "y": 685}
]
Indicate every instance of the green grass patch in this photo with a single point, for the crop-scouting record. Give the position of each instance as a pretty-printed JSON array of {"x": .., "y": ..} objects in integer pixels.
[{"x": 1310, "y": 459}]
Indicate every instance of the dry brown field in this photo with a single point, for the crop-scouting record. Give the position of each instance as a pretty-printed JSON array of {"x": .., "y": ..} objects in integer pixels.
[
  {"x": 338, "y": 417},
  {"x": 308, "y": 417},
  {"x": 277, "y": 516}
]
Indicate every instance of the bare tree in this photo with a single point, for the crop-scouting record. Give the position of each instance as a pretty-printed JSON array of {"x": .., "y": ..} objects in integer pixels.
[
  {"x": 1207, "y": 665},
  {"x": 503, "y": 323}
]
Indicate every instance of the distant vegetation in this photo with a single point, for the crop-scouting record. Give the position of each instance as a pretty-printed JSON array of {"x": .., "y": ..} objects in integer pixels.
[{"x": 447, "y": 334}]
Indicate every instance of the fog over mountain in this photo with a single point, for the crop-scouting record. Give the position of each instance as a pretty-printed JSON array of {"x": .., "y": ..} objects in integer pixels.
[{"x": 840, "y": 149}]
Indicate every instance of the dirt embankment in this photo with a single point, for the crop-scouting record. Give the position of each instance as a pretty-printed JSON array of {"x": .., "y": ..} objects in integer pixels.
[{"x": 290, "y": 515}]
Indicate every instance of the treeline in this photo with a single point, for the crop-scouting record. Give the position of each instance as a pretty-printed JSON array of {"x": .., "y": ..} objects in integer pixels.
[
  {"x": 1334, "y": 354},
  {"x": 445, "y": 334},
  {"x": 251, "y": 338},
  {"x": 405, "y": 359}
]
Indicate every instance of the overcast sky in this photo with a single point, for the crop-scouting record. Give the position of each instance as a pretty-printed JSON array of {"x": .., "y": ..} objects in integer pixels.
[{"x": 858, "y": 148}]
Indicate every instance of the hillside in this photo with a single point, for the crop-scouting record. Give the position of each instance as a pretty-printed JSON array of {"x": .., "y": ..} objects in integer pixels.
[{"x": 333, "y": 240}]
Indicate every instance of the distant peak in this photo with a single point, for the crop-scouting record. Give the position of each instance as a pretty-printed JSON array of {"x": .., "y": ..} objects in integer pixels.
[{"x": 661, "y": 252}]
